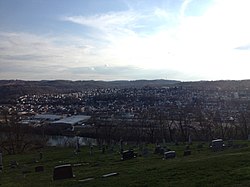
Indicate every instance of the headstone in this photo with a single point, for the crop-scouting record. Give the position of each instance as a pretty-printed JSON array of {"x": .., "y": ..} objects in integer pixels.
[
  {"x": 1, "y": 162},
  {"x": 169, "y": 154},
  {"x": 164, "y": 142},
  {"x": 39, "y": 168},
  {"x": 230, "y": 143},
  {"x": 63, "y": 172},
  {"x": 41, "y": 155},
  {"x": 159, "y": 150},
  {"x": 91, "y": 150},
  {"x": 217, "y": 145},
  {"x": 187, "y": 153},
  {"x": 35, "y": 160},
  {"x": 140, "y": 147},
  {"x": 111, "y": 149},
  {"x": 128, "y": 154},
  {"x": 145, "y": 152},
  {"x": 189, "y": 140},
  {"x": 121, "y": 146},
  {"x": 103, "y": 149},
  {"x": 13, "y": 164},
  {"x": 77, "y": 150}
]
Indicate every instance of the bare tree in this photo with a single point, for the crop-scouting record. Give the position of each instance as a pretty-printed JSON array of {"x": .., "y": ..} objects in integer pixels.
[{"x": 16, "y": 138}]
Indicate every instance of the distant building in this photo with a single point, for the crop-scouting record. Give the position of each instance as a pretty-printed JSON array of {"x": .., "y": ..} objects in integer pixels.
[
  {"x": 70, "y": 122},
  {"x": 47, "y": 117},
  {"x": 39, "y": 119},
  {"x": 236, "y": 95}
]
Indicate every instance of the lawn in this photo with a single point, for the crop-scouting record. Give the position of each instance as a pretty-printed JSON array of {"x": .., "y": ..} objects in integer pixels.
[{"x": 230, "y": 167}]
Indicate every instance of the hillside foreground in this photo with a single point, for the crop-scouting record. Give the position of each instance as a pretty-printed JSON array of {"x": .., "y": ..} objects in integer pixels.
[{"x": 203, "y": 167}]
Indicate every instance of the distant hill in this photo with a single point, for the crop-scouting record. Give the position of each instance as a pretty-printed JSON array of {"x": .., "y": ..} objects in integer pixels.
[
  {"x": 10, "y": 89},
  {"x": 234, "y": 85}
]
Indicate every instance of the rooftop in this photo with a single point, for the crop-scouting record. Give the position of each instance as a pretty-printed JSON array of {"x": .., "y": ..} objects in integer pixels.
[{"x": 72, "y": 120}]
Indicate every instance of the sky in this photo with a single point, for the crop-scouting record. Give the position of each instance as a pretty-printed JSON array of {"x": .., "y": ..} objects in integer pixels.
[{"x": 187, "y": 40}]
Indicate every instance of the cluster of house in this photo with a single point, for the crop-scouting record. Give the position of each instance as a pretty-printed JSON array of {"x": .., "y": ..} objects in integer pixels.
[{"x": 129, "y": 103}]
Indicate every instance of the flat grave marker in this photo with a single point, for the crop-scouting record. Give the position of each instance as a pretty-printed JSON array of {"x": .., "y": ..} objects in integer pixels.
[
  {"x": 110, "y": 175},
  {"x": 39, "y": 169}
]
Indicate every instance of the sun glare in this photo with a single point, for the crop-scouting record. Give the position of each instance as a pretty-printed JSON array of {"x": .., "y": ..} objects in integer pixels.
[{"x": 202, "y": 45}]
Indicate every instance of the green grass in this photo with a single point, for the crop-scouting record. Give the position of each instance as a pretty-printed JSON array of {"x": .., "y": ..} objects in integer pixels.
[{"x": 230, "y": 167}]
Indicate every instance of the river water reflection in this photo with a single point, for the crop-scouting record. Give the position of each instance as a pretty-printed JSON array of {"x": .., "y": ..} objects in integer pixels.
[{"x": 65, "y": 141}]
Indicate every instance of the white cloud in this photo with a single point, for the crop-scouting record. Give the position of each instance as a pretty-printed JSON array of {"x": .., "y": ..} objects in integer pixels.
[
  {"x": 198, "y": 47},
  {"x": 36, "y": 53},
  {"x": 184, "y": 6},
  {"x": 208, "y": 42},
  {"x": 161, "y": 13},
  {"x": 105, "y": 22},
  {"x": 31, "y": 57}
]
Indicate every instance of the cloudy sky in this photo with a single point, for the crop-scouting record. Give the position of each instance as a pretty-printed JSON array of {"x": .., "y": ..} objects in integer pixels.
[{"x": 124, "y": 39}]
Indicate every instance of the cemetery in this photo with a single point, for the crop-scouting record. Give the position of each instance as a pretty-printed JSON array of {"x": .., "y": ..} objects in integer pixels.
[{"x": 131, "y": 164}]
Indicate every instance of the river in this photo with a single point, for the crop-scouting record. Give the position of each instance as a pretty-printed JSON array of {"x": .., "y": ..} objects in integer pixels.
[{"x": 65, "y": 141}]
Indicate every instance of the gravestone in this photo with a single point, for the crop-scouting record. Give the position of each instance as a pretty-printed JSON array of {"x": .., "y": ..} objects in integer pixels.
[
  {"x": 145, "y": 152},
  {"x": 121, "y": 146},
  {"x": 157, "y": 149},
  {"x": 217, "y": 145},
  {"x": 77, "y": 149},
  {"x": 39, "y": 169},
  {"x": 91, "y": 150},
  {"x": 164, "y": 142},
  {"x": 230, "y": 143},
  {"x": 41, "y": 155},
  {"x": 13, "y": 164},
  {"x": 187, "y": 153},
  {"x": 111, "y": 148},
  {"x": 103, "y": 149},
  {"x": 169, "y": 154},
  {"x": 189, "y": 140},
  {"x": 160, "y": 150},
  {"x": 1, "y": 162},
  {"x": 128, "y": 154},
  {"x": 63, "y": 172},
  {"x": 140, "y": 147}
]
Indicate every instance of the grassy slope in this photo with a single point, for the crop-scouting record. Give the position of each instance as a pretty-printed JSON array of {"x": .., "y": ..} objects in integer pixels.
[{"x": 205, "y": 168}]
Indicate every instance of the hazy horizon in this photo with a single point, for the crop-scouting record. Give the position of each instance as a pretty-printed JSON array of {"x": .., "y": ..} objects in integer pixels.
[
  {"x": 184, "y": 40},
  {"x": 125, "y": 80}
]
